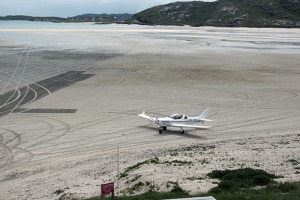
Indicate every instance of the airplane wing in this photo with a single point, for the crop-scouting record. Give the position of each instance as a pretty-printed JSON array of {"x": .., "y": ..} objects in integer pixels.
[
  {"x": 146, "y": 116},
  {"x": 190, "y": 126}
]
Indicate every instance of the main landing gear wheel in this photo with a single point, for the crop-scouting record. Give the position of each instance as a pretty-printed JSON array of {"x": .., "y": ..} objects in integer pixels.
[
  {"x": 164, "y": 128},
  {"x": 160, "y": 131},
  {"x": 182, "y": 131}
]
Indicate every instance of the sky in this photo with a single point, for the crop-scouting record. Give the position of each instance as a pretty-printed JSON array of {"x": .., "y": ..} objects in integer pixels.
[{"x": 70, "y": 8}]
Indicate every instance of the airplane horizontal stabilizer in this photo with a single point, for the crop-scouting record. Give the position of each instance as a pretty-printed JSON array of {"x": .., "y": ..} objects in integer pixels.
[
  {"x": 143, "y": 114},
  {"x": 207, "y": 120}
]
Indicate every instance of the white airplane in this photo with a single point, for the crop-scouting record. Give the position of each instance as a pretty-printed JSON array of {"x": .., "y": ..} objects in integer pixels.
[{"x": 178, "y": 120}]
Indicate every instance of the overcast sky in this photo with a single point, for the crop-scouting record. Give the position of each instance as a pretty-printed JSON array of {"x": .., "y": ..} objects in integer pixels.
[{"x": 69, "y": 8}]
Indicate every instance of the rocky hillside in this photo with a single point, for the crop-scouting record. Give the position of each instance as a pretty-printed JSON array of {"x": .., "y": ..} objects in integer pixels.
[{"x": 250, "y": 13}]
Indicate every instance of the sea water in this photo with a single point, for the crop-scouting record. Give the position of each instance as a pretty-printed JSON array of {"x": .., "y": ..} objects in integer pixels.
[{"x": 48, "y": 34}]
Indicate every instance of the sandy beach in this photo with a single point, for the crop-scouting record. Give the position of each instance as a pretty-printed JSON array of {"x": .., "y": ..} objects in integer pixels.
[{"x": 71, "y": 94}]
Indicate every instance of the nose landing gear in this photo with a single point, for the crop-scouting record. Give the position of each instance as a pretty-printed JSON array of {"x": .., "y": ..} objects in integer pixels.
[{"x": 161, "y": 129}]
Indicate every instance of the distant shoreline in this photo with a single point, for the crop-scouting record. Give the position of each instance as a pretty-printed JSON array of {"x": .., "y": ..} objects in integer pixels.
[
  {"x": 97, "y": 18},
  {"x": 157, "y": 25}
]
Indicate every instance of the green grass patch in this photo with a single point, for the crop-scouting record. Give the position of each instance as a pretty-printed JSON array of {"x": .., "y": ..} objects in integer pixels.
[
  {"x": 241, "y": 178},
  {"x": 59, "y": 191},
  {"x": 178, "y": 162},
  {"x": 194, "y": 178},
  {"x": 240, "y": 184},
  {"x": 153, "y": 161},
  {"x": 293, "y": 161},
  {"x": 280, "y": 191},
  {"x": 138, "y": 165},
  {"x": 176, "y": 192},
  {"x": 135, "y": 187}
]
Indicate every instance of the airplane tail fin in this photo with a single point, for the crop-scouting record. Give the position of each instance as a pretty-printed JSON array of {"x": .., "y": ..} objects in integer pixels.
[
  {"x": 143, "y": 113},
  {"x": 204, "y": 114}
]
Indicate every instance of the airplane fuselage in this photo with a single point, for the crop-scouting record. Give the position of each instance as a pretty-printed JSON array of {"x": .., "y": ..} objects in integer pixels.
[{"x": 167, "y": 121}]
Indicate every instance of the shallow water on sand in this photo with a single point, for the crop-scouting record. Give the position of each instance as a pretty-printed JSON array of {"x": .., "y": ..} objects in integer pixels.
[{"x": 148, "y": 38}]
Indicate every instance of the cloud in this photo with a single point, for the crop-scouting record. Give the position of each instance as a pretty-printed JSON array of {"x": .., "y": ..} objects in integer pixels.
[{"x": 105, "y": 1}]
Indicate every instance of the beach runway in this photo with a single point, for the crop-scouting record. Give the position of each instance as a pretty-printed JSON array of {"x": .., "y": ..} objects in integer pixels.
[{"x": 64, "y": 110}]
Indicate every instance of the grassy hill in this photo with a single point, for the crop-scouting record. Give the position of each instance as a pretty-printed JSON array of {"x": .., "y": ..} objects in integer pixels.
[
  {"x": 250, "y": 13},
  {"x": 101, "y": 18},
  {"x": 31, "y": 18}
]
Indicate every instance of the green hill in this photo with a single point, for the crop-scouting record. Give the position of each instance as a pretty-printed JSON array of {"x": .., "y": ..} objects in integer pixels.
[
  {"x": 250, "y": 13},
  {"x": 31, "y": 18}
]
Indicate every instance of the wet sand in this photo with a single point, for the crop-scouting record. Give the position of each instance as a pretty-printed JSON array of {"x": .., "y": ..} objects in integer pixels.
[{"x": 69, "y": 97}]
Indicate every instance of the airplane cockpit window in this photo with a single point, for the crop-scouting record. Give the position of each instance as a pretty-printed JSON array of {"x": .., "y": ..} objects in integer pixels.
[{"x": 176, "y": 116}]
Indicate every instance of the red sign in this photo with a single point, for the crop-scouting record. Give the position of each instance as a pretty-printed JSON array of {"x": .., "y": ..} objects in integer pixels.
[{"x": 107, "y": 188}]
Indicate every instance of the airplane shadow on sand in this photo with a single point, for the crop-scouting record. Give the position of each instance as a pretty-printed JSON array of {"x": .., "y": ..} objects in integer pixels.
[{"x": 187, "y": 133}]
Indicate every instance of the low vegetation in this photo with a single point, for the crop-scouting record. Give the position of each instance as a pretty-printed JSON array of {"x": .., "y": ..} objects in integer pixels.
[
  {"x": 240, "y": 184},
  {"x": 154, "y": 161},
  {"x": 241, "y": 178},
  {"x": 59, "y": 191},
  {"x": 281, "y": 191},
  {"x": 293, "y": 162},
  {"x": 138, "y": 165}
]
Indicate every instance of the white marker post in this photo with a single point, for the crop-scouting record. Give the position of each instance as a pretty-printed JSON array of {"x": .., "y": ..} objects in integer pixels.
[{"x": 118, "y": 191}]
